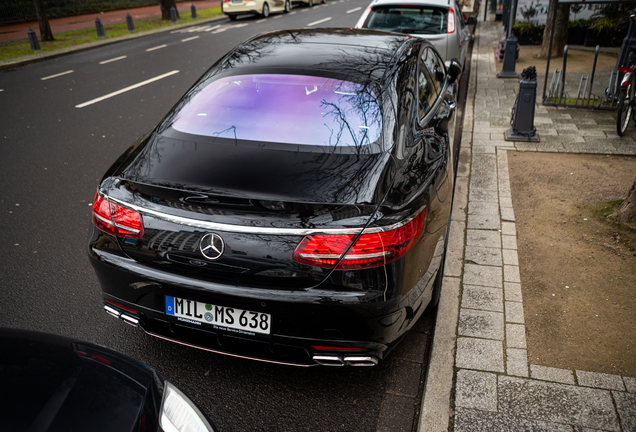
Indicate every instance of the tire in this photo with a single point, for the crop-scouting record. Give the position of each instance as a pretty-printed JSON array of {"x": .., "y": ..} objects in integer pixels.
[
  {"x": 625, "y": 107},
  {"x": 265, "y": 10},
  {"x": 287, "y": 6},
  {"x": 232, "y": 17},
  {"x": 311, "y": 3},
  {"x": 324, "y": 2}
]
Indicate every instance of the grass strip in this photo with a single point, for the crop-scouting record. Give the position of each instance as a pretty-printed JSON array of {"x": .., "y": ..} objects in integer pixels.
[{"x": 18, "y": 48}]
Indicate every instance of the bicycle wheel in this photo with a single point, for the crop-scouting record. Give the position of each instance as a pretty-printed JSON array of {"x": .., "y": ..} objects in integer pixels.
[{"x": 625, "y": 107}]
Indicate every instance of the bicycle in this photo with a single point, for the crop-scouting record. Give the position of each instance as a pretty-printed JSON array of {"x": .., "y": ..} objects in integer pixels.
[{"x": 626, "y": 103}]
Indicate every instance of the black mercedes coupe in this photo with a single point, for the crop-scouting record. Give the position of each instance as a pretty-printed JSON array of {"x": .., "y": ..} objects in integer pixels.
[{"x": 293, "y": 206}]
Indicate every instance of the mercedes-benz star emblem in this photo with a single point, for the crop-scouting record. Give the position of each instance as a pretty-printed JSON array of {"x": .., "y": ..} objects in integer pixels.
[{"x": 212, "y": 246}]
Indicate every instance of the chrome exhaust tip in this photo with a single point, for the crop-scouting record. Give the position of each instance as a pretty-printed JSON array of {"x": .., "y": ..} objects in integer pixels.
[
  {"x": 133, "y": 321},
  {"x": 326, "y": 360},
  {"x": 112, "y": 311},
  {"x": 361, "y": 360}
]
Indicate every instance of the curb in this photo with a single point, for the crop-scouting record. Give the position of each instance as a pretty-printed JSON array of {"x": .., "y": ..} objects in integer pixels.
[
  {"x": 35, "y": 58},
  {"x": 436, "y": 401}
]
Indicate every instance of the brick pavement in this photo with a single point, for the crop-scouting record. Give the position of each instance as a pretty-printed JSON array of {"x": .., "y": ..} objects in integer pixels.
[{"x": 479, "y": 351}]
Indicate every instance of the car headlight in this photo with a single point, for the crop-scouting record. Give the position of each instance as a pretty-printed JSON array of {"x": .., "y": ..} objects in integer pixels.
[{"x": 179, "y": 414}]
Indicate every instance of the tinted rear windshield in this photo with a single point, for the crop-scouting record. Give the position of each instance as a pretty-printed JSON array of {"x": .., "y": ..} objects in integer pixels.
[
  {"x": 408, "y": 19},
  {"x": 290, "y": 109}
]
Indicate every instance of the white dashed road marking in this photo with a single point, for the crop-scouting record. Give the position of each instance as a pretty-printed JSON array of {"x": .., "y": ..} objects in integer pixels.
[
  {"x": 212, "y": 28},
  {"x": 260, "y": 21},
  {"x": 318, "y": 22},
  {"x": 190, "y": 38},
  {"x": 219, "y": 30},
  {"x": 113, "y": 60},
  {"x": 353, "y": 10},
  {"x": 124, "y": 90},
  {"x": 156, "y": 48},
  {"x": 56, "y": 75}
]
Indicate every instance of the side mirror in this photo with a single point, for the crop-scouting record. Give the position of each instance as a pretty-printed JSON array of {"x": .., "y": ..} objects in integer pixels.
[
  {"x": 454, "y": 70},
  {"x": 471, "y": 21}
]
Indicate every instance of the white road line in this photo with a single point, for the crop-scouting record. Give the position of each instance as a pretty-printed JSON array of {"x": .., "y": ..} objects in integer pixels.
[
  {"x": 124, "y": 90},
  {"x": 260, "y": 21},
  {"x": 1, "y": 90},
  {"x": 318, "y": 22},
  {"x": 156, "y": 48},
  {"x": 239, "y": 25},
  {"x": 353, "y": 10},
  {"x": 56, "y": 75},
  {"x": 113, "y": 59},
  {"x": 291, "y": 13},
  {"x": 190, "y": 38},
  {"x": 219, "y": 30},
  {"x": 304, "y": 10},
  {"x": 278, "y": 16},
  {"x": 212, "y": 28}
]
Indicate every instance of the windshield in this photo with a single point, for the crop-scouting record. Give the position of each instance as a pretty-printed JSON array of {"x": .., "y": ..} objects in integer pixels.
[
  {"x": 294, "y": 109},
  {"x": 408, "y": 19}
]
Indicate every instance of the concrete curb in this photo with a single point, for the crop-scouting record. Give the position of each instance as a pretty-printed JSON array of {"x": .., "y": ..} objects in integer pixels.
[
  {"x": 34, "y": 58},
  {"x": 436, "y": 400}
]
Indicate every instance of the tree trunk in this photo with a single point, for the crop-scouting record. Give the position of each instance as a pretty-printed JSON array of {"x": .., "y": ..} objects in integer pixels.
[
  {"x": 627, "y": 211},
  {"x": 165, "y": 9},
  {"x": 45, "y": 28},
  {"x": 560, "y": 31}
]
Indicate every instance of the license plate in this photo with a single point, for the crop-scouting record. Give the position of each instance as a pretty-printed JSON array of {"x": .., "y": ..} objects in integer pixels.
[
  {"x": 220, "y": 317},
  {"x": 237, "y": 1}
]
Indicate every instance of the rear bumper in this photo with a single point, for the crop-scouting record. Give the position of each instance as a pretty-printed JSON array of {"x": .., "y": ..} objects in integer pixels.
[{"x": 359, "y": 326}]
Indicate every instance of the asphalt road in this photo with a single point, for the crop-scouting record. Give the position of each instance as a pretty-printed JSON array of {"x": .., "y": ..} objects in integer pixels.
[{"x": 59, "y": 133}]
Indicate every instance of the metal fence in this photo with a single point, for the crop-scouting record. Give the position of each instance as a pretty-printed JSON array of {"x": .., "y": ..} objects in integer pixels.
[{"x": 20, "y": 10}]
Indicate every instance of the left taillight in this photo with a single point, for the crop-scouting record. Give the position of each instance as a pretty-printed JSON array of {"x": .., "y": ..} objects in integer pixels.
[
  {"x": 451, "y": 20},
  {"x": 370, "y": 250},
  {"x": 115, "y": 219}
]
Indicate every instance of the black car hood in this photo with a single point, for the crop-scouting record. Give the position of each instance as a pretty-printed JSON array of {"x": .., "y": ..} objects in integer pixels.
[
  {"x": 51, "y": 383},
  {"x": 258, "y": 171}
]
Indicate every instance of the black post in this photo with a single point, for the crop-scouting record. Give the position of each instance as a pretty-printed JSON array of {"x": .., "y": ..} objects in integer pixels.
[
  {"x": 33, "y": 40},
  {"x": 493, "y": 6},
  {"x": 193, "y": 11},
  {"x": 547, "y": 66},
  {"x": 506, "y": 12},
  {"x": 100, "y": 28},
  {"x": 522, "y": 122},
  {"x": 510, "y": 59},
  {"x": 130, "y": 24},
  {"x": 486, "y": 7},
  {"x": 173, "y": 15}
]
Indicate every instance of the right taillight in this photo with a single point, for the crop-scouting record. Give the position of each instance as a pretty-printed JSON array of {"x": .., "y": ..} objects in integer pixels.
[
  {"x": 451, "y": 20},
  {"x": 115, "y": 219},
  {"x": 370, "y": 250}
]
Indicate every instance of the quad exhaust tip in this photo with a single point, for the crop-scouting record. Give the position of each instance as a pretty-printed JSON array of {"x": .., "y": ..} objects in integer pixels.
[
  {"x": 128, "y": 319},
  {"x": 333, "y": 360}
]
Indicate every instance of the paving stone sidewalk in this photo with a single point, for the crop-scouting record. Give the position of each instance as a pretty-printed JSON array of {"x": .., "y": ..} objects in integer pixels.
[{"x": 479, "y": 352}]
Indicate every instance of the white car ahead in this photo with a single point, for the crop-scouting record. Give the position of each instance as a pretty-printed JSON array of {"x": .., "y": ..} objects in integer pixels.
[{"x": 440, "y": 22}]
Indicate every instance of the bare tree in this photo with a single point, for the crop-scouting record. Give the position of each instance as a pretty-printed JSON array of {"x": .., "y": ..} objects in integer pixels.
[
  {"x": 562, "y": 12},
  {"x": 45, "y": 28},
  {"x": 627, "y": 211},
  {"x": 165, "y": 8}
]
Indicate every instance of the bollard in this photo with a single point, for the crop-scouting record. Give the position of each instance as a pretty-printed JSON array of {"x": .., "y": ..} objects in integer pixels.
[
  {"x": 193, "y": 11},
  {"x": 100, "y": 28},
  {"x": 173, "y": 15},
  {"x": 522, "y": 119},
  {"x": 130, "y": 24},
  {"x": 33, "y": 40},
  {"x": 510, "y": 58}
]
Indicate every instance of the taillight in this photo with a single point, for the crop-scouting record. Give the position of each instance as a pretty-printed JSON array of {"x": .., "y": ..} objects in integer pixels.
[
  {"x": 115, "y": 219},
  {"x": 370, "y": 250},
  {"x": 625, "y": 70},
  {"x": 451, "y": 20}
]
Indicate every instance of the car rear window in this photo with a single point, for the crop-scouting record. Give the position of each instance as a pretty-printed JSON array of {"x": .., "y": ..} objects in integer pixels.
[
  {"x": 290, "y": 109},
  {"x": 408, "y": 19}
]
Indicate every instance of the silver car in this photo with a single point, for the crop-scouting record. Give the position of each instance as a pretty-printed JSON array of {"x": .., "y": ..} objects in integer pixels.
[{"x": 440, "y": 22}]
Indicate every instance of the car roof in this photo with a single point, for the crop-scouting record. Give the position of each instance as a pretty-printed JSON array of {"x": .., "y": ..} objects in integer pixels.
[
  {"x": 361, "y": 56},
  {"x": 435, "y": 3}
]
